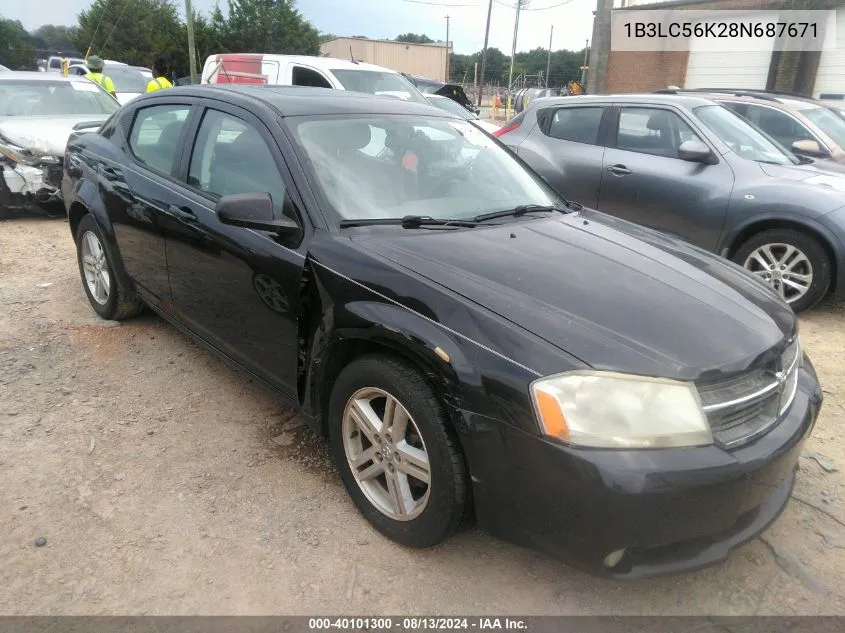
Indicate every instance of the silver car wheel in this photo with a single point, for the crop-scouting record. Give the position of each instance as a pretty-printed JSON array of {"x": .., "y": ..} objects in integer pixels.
[
  {"x": 386, "y": 454},
  {"x": 95, "y": 267},
  {"x": 784, "y": 267}
]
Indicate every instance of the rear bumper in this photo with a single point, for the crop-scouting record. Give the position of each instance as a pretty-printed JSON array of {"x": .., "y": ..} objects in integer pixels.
[{"x": 670, "y": 510}]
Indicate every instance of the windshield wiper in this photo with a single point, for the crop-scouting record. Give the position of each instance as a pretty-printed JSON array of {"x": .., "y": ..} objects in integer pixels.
[
  {"x": 523, "y": 209},
  {"x": 407, "y": 222}
]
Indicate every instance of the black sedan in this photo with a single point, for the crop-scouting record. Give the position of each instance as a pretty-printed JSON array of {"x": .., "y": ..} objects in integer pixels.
[{"x": 467, "y": 339}]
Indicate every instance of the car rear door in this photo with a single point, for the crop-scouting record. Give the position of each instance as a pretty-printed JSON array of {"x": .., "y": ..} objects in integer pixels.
[
  {"x": 566, "y": 149},
  {"x": 237, "y": 288},
  {"x": 645, "y": 182},
  {"x": 138, "y": 189}
]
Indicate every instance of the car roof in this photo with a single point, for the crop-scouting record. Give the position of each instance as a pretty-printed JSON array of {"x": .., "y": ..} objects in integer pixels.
[
  {"x": 763, "y": 97},
  {"x": 113, "y": 65},
  {"x": 685, "y": 100},
  {"x": 301, "y": 100},
  {"x": 28, "y": 75}
]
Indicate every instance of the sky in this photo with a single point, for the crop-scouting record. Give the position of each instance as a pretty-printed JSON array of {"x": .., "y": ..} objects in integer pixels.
[{"x": 572, "y": 19}]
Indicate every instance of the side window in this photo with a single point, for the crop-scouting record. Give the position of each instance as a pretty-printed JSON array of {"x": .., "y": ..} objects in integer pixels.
[
  {"x": 230, "y": 156},
  {"x": 576, "y": 124},
  {"x": 779, "y": 125},
  {"x": 154, "y": 137},
  {"x": 307, "y": 77},
  {"x": 652, "y": 131}
]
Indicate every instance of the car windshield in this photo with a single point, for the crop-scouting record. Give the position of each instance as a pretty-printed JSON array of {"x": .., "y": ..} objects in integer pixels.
[
  {"x": 447, "y": 104},
  {"x": 33, "y": 98},
  {"x": 128, "y": 79},
  {"x": 393, "y": 166},
  {"x": 742, "y": 137},
  {"x": 828, "y": 122},
  {"x": 378, "y": 83}
]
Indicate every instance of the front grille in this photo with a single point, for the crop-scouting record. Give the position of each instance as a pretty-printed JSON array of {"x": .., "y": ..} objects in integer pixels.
[{"x": 741, "y": 408}]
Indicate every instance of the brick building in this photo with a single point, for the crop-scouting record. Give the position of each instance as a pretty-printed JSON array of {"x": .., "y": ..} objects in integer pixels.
[{"x": 807, "y": 72}]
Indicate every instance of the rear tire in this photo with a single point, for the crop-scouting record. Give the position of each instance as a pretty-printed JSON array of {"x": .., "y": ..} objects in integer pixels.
[
  {"x": 792, "y": 262},
  {"x": 106, "y": 293},
  {"x": 420, "y": 515}
]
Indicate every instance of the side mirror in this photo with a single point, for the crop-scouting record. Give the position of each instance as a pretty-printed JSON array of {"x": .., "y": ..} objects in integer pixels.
[
  {"x": 809, "y": 147},
  {"x": 253, "y": 211},
  {"x": 695, "y": 151}
]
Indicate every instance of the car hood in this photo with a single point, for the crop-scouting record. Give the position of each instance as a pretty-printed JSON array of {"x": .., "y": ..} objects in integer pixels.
[
  {"x": 612, "y": 294},
  {"x": 43, "y": 135}
]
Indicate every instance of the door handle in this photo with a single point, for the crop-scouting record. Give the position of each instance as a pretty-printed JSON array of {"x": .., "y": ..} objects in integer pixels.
[
  {"x": 619, "y": 170},
  {"x": 183, "y": 213},
  {"x": 112, "y": 172}
]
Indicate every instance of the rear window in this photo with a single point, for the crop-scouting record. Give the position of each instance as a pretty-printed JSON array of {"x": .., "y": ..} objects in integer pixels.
[
  {"x": 380, "y": 83},
  {"x": 128, "y": 79},
  {"x": 580, "y": 125}
]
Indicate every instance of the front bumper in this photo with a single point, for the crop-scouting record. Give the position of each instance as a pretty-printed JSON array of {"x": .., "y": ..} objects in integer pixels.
[
  {"x": 21, "y": 185},
  {"x": 671, "y": 510}
]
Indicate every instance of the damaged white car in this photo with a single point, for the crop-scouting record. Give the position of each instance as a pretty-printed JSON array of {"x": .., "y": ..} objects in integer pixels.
[{"x": 38, "y": 112}]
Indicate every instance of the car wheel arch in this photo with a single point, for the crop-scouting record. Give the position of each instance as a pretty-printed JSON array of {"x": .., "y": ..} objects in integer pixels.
[
  {"x": 743, "y": 233},
  {"x": 83, "y": 205},
  {"x": 380, "y": 328}
]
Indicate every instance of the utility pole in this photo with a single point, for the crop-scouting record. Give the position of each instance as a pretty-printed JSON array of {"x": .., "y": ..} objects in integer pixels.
[
  {"x": 584, "y": 67},
  {"x": 475, "y": 76},
  {"x": 484, "y": 53},
  {"x": 513, "y": 53},
  {"x": 549, "y": 60},
  {"x": 447, "y": 49},
  {"x": 192, "y": 49}
]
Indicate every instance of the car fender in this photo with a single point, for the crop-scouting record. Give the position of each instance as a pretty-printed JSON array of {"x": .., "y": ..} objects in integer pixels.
[
  {"x": 375, "y": 325},
  {"x": 731, "y": 242},
  {"x": 86, "y": 193}
]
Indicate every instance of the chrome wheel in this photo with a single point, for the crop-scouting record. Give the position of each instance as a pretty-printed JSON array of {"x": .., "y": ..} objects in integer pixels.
[
  {"x": 95, "y": 267},
  {"x": 386, "y": 454},
  {"x": 784, "y": 267}
]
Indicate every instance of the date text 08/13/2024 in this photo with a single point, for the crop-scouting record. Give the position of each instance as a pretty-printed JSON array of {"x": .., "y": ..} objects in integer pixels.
[{"x": 417, "y": 623}]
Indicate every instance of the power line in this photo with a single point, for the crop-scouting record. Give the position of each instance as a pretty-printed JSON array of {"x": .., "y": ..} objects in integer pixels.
[
  {"x": 525, "y": 8},
  {"x": 439, "y": 4},
  {"x": 97, "y": 30},
  {"x": 103, "y": 47}
]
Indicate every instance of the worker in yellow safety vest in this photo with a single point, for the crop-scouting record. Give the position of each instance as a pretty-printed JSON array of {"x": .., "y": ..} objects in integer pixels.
[
  {"x": 95, "y": 74},
  {"x": 160, "y": 80}
]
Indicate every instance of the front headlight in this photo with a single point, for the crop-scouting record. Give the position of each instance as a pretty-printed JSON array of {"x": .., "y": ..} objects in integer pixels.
[{"x": 610, "y": 410}]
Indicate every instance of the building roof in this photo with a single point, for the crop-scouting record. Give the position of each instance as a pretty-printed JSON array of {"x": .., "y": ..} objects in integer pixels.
[{"x": 369, "y": 39}]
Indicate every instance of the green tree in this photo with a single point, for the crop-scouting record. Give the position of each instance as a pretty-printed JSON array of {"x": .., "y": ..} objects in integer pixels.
[
  {"x": 325, "y": 37},
  {"x": 268, "y": 26},
  {"x": 134, "y": 32},
  {"x": 413, "y": 38},
  {"x": 17, "y": 50},
  {"x": 56, "y": 37}
]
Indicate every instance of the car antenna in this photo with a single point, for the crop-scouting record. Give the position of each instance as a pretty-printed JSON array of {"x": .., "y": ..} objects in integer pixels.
[{"x": 351, "y": 57}]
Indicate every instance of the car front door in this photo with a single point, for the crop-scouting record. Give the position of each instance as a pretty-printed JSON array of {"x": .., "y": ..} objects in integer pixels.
[
  {"x": 138, "y": 189},
  {"x": 565, "y": 149},
  {"x": 237, "y": 288},
  {"x": 645, "y": 181}
]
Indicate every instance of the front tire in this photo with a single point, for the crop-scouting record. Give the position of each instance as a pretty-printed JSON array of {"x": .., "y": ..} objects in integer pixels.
[
  {"x": 397, "y": 453},
  {"x": 794, "y": 263},
  {"x": 106, "y": 293}
]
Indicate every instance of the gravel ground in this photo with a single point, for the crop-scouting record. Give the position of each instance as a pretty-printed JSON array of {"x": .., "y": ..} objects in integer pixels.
[{"x": 150, "y": 469}]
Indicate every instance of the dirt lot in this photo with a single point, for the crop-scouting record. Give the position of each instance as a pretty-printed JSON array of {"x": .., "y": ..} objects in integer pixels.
[{"x": 149, "y": 467}]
